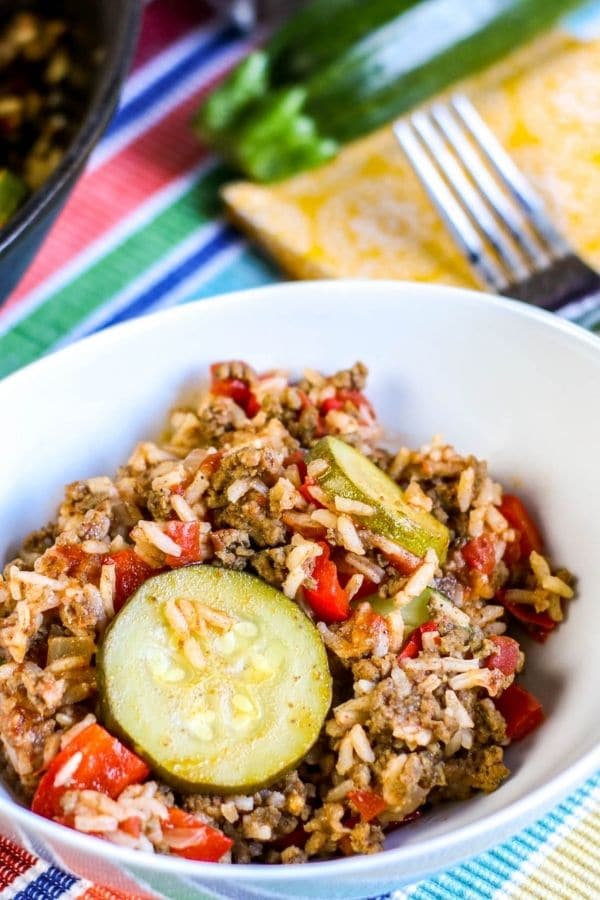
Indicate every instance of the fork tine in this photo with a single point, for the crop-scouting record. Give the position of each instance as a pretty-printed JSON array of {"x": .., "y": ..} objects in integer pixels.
[
  {"x": 510, "y": 175},
  {"x": 506, "y": 209},
  {"x": 458, "y": 223},
  {"x": 466, "y": 193}
]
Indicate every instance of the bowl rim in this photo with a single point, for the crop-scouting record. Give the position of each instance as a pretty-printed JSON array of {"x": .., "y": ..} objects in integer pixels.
[
  {"x": 416, "y": 858},
  {"x": 114, "y": 68}
]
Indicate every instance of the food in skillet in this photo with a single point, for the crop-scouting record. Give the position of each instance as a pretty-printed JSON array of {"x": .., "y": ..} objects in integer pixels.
[
  {"x": 267, "y": 638},
  {"x": 43, "y": 90}
]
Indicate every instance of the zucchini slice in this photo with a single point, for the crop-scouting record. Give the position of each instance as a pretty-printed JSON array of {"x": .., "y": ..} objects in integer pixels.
[
  {"x": 351, "y": 475},
  {"x": 413, "y": 614},
  {"x": 215, "y": 678}
]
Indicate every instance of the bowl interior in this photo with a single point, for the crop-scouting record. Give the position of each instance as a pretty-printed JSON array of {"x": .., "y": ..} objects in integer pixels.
[{"x": 509, "y": 384}]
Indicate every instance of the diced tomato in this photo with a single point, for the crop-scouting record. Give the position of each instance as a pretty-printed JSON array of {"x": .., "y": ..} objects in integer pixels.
[
  {"x": 181, "y": 487},
  {"x": 512, "y": 553},
  {"x": 521, "y": 711},
  {"x": 233, "y": 388},
  {"x": 331, "y": 403},
  {"x": 506, "y": 655},
  {"x": 132, "y": 826},
  {"x": 342, "y": 397},
  {"x": 81, "y": 565},
  {"x": 367, "y": 624},
  {"x": 106, "y": 765},
  {"x": 187, "y": 536},
  {"x": 367, "y": 803},
  {"x": 528, "y": 535},
  {"x": 297, "y": 459},
  {"x": 537, "y": 624},
  {"x": 306, "y": 492},
  {"x": 238, "y": 390},
  {"x": 357, "y": 398},
  {"x": 209, "y": 844},
  {"x": 130, "y": 573},
  {"x": 328, "y": 599},
  {"x": 211, "y": 463},
  {"x": 414, "y": 645},
  {"x": 480, "y": 553}
]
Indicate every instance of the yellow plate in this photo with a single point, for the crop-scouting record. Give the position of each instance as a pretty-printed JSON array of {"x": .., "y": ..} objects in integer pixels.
[{"x": 365, "y": 214}]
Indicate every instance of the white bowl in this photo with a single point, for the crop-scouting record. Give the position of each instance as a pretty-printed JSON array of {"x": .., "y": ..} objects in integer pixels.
[{"x": 507, "y": 382}]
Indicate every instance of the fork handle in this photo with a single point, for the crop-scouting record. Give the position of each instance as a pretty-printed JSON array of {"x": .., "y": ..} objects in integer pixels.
[{"x": 559, "y": 286}]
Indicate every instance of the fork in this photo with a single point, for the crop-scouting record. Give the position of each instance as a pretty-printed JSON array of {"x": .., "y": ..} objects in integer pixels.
[{"x": 495, "y": 217}]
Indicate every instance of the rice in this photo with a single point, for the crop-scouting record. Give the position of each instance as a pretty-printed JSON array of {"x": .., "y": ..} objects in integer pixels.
[
  {"x": 65, "y": 774},
  {"x": 176, "y": 618},
  {"x": 317, "y": 467},
  {"x": 182, "y": 509},
  {"x": 417, "y": 498},
  {"x": 414, "y": 719},
  {"x": 325, "y": 517},
  {"x": 464, "y": 490},
  {"x": 353, "y": 507},
  {"x": 157, "y": 537},
  {"x": 349, "y": 535},
  {"x": 417, "y": 582},
  {"x": 361, "y": 744}
]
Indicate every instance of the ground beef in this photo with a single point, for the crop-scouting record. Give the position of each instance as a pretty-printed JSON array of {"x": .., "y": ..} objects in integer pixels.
[
  {"x": 481, "y": 769},
  {"x": 270, "y": 565}
]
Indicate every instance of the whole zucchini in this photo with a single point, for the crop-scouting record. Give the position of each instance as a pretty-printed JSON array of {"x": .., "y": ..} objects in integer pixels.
[{"x": 340, "y": 68}]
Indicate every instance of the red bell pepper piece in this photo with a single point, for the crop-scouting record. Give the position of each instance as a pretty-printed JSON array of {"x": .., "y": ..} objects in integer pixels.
[
  {"x": 528, "y": 535},
  {"x": 306, "y": 492},
  {"x": 367, "y": 803},
  {"x": 506, "y": 655},
  {"x": 207, "y": 844},
  {"x": 331, "y": 403},
  {"x": 327, "y": 599},
  {"x": 521, "y": 711},
  {"x": 297, "y": 459},
  {"x": 237, "y": 390},
  {"x": 132, "y": 826},
  {"x": 106, "y": 765},
  {"x": 414, "y": 645},
  {"x": 480, "y": 553},
  {"x": 537, "y": 624},
  {"x": 130, "y": 573},
  {"x": 342, "y": 397},
  {"x": 366, "y": 623},
  {"x": 187, "y": 536}
]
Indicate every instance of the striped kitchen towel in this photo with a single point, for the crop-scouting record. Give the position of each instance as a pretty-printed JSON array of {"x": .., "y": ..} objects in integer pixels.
[
  {"x": 142, "y": 231},
  {"x": 27, "y": 877}
]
